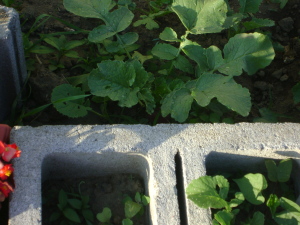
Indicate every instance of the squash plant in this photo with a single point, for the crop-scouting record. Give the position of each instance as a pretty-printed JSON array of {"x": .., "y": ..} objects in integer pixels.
[
  {"x": 244, "y": 200},
  {"x": 208, "y": 72}
]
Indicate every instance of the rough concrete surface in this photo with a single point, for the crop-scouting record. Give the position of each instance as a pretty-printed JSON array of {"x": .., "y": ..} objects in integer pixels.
[
  {"x": 60, "y": 151},
  {"x": 12, "y": 60}
]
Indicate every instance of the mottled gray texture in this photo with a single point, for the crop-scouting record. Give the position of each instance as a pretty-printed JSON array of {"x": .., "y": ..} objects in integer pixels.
[
  {"x": 75, "y": 151},
  {"x": 12, "y": 60}
]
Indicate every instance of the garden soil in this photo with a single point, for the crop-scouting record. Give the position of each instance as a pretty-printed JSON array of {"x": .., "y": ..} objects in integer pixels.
[
  {"x": 107, "y": 191},
  {"x": 270, "y": 87}
]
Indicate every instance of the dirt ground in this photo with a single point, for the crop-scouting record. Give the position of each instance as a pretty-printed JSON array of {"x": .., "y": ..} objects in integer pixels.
[
  {"x": 270, "y": 87},
  {"x": 107, "y": 191}
]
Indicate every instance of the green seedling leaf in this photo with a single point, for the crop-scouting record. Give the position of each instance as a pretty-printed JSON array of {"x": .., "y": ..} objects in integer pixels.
[
  {"x": 127, "y": 222},
  {"x": 289, "y": 205},
  {"x": 280, "y": 173},
  {"x": 257, "y": 23},
  {"x": 257, "y": 219},
  {"x": 249, "y": 6},
  {"x": 203, "y": 193},
  {"x": 273, "y": 202},
  {"x": 75, "y": 203},
  {"x": 239, "y": 199},
  {"x": 296, "y": 93},
  {"x": 201, "y": 16},
  {"x": 168, "y": 34},
  {"x": 165, "y": 51},
  {"x": 148, "y": 21},
  {"x": 89, "y": 8},
  {"x": 55, "y": 216},
  {"x": 88, "y": 214},
  {"x": 104, "y": 216},
  {"x": 267, "y": 116},
  {"x": 140, "y": 57},
  {"x": 287, "y": 218},
  {"x": 69, "y": 101},
  {"x": 223, "y": 217},
  {"x": 249, "y": 52},
  {"x": 131, "y": 209},
  {"x": 40, "y": 49},
  {"x": 138, "y": 197},
  {"x": 72, "y": 215},
  {"x": 145, "y": 200},
  {"x": 73, "y": 44},
  {"x": 72, "y": 54},
  {"x": 272, "y": 170},
  {"x": 57, "y": 43},
  {"x": 291, "y": 215},
  {"x": 251, "y": 185},
  {"x": 62, "y": 199}
]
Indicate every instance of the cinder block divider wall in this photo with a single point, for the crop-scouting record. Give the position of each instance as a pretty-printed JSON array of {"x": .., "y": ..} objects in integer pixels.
[
  {"x": 148, "y": 151},
  {"x": 12, "y": 60}
]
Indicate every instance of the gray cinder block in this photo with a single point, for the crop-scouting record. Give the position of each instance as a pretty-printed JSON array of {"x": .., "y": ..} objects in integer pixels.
[
  {"x": 12, "y": 60},
  {"x": 152, "y": 152}
]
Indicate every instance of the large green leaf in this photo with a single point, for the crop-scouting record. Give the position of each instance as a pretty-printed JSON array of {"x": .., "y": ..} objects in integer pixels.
[
  {"x": 115, "y": 21},
  {"x": 178, "y": 104},
  {"x": 203, "y": 192},
  {"x": 207, "y": 59},
  {"x": 89, "y": 8},
  {"x": 225, "y": 89},
  {"x": 69, "y": 101},
  {"x": 251, "y": 185},
  {"x": 121, "y": 81},
  {"x": 114, "y": 79},
  {"x": 249, "y": 52},
  {"x": 201, "y": 16},
  {"x": 165, "y": 51}
]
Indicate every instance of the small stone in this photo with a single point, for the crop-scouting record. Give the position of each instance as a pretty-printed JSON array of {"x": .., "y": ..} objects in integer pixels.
[
  {"x": 261, "y": 73},
  {"x": 284, "y": 77},
  {"x": 261, "y": 85},
  {"x": 277, "y": 73},
  {"x": 286, "y": 24}
]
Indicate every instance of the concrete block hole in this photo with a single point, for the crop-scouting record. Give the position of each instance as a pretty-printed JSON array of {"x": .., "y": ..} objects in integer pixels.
[
  {"x": 219, "y": 163},
  {"x": 106, "y": 175}
]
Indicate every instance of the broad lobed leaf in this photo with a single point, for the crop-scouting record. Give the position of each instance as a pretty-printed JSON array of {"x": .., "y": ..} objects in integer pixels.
[{"x": 201, "y": 16}]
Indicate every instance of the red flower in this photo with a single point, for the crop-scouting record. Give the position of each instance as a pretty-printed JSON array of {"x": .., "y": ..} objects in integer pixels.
[
  {"x": 5, "y": 189},
  {"x": 9, "y": 152},
  {"x": 6, "y": 171}
]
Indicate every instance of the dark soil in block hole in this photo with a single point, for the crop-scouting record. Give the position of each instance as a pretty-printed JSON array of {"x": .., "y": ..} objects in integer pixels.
[{"x": 105, "y": 191}]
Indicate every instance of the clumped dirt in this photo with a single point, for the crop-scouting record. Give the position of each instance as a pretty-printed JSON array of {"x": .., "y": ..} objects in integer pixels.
[
  {"x": 270, "y": 87},
  {"x": 107, "y": 191}
]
